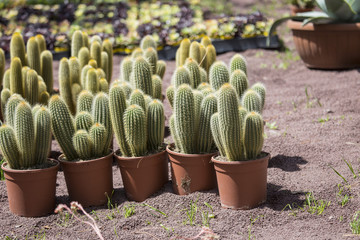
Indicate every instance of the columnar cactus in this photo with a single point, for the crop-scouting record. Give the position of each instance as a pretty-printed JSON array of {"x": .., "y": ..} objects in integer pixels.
[
  {"x": 6, "y": 79},
  {"x": 194, "y": 52},
  {"x": 5, "y": 95},
  {"x": 104, "y": 85},
  {"x": 253, "y": 135},
  {"x": 42, "y": 122},
  {"x": 93, "y": 63},
  {"x": 203, "y": 61},
  {"x": 2, "y": 65},
  {"x": 138, "y": 52},
  {"x": 206, "y": 41},
  {"x": 105, "y": 64},
  {"x": 219, "y": 75},
  {"x": 32, "y": 87},
  {"x": 147, "y": 42},
  {"x": 65, "y": 84},
  {"x": 238, "y": 62},
  {"x": 184, "y": 51},
  {"x": 33, "y": 55},
  {"x": 77, "y": 42},
  {"x": 83, "y": 145},
  {"x": 210, "y": 56},
  {"x": 41, "y": 42},
  {"x": 92, "y": 83},
  {"x": 83, "y": 75},
  {"x": 95, "y": 52},
  {"x": 207, "y": 109},
  {"x": 135, "y": 126},
  {"x": 11, "y": 105},
  {"x": 126, "y": 68},
  {"x": 251, "y": 101},
  {"x": 84, "y": 101},
  {"x": 181, "y": 76},
  {"x": 215, "y": 131},
  {"x": 142, "y": 75},
  {"x": 17, "y": 48},
  {"x": 161, "y": 68},
  {"x": 203, "y": 75},
  {"x": 170, "y": 95},
  {"x": 137, "y": 97},
  {"x": 84, "y": 57},
  {"x": 84, "y": 120},
  {"x": 239, "y": 81},
  {"x": 9, "y": 148},
  {"x": 47, "y": 69},
  {"x": 75, "y": 70},
  {"x": 108, "y": 48},
  {"x": 151, "y": 56},
  {"x": 157, "y": 87},
  {"x": 155, "y": 124},
  {"x": 261, "y": 90},
  {"x": 16, "y": 81},
  {"x": 193, "y": 67},
  {"x": 97, "y": 134}
]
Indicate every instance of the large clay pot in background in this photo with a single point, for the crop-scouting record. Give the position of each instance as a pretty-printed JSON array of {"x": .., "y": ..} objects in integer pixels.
[
  {"x": 191, "y": 172},
  {"x": 242, "y": 184},
  {"x": 31, "y": 193},
  {"x": 327, "y": 46},
  {"x": 143, "y": 176},
  {"x": 89, "y": 182}
]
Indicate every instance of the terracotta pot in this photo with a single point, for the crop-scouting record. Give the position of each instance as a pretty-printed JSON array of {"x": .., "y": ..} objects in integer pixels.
[
  {"x": 295, "y": 10},
  {"x": 143, "y": 176},
  {"x": 327, "y": 46},
  {"x": 242, "y": 184},
  {"x": 31, "y": 193},
  {"x": 89, "y": 182},
  {"x": 191, "y": 172}
]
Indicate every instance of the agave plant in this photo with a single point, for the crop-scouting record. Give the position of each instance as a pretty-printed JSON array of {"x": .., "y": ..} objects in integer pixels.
[
  {"x": 333, "y": 11},
  {"x": 303, "y": 3}
]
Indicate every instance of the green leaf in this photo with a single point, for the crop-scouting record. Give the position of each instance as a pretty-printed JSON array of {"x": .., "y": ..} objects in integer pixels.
[
  {"x": 354, "y": 5},
  {"x": 337, "y": 9},
  {"x": 318, "y": 20}
]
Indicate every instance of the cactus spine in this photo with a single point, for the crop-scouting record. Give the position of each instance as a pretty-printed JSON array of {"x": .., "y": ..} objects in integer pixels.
[
  {"x": 16, "y": 79},
  {"x": 33, "y": 55},
  {"x": 155, "y": 124},
  {"x": 219, "y": 74},
  {"x": 77, "y": 42},
  {"x": 239, "y": 81},
  {"x": 238, "y": 62},
  {"x": 17, "y": 48},
  {"x": 47, "y": 70},
  {"x": 142, "y": 75},
  {"x": 253, "y": 135},
  {"x": 135, "y": 130}
]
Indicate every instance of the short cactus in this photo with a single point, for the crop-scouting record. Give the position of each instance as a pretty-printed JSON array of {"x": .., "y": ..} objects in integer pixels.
[
  {"x": 251, "y": 101},
  {"x": 97, "y": 135},
  {"x": 138, "y": 52},
  {"x": 105, "y": 64},
  {"x": 184, "y": 51},
  {"x": 206, "y": 41},
  {"x": 137, "y": 97},
  {"x": 253, "y": 135},
  {"x": 261, "y": 90},
  {"x": 103, "y": 85},
  {"x": 93, "y": 63},
  {"x": 83, "y": 145},
  {"x": 238, "y": 62},
  {"x": 32, "y": 87},
  {"x": 84, "y": 101},
  {"x": 147, "y": 42},
  {"x": 9, "y": 148},
  {"x": 170, "y": 95},
  {"x": 157, "y": 87},
  {"x": 126, "y": 68},
  {"x": 155, "y": 124},
  {"x": 6, "y": 79},
  {"x": 44, "y": 98},
  {"x": 219, "y": 75},
  {"x": 151, "y": 56},
  {"x": 11, "y": 105},
  {"x": 47, "y": 69},
  {"x": 181, "y": 76},
  {"x": 84, "y": 57},
  {"x": 193, "y": 67},
  {"x": 239, "y": 81},
  {"x": 92, "y": 83},
  {"x": 83, "y": 120}
]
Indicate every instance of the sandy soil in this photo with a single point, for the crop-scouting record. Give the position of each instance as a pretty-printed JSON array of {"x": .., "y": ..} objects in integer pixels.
[{"x": 303, "y": 147}]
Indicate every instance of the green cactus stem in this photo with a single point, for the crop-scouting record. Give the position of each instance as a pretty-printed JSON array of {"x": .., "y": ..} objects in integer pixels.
[
  {"x": 253, "y": 135},
  {"x": 251, "y": 101},
  {"x": 95, "y": 52},
  {"x": 41, "y": 42},
  {"x": 93, "y": 63},
  {"x": 151, "y": 56},
  {"x": 207, "y": 109},
  {"x": 9, "y": 147},
  {"x": 83, "y": 75},
  {"x": 84, "y": 57},
  {"x": 104, "y": 85},
  {"x": 142, "y": 75},
  {"x": 77, "y": 42},
  {"x": 148, "y": 42},
  {"x": 126, "y": 68},
  {"x": 5, "y": 95},
  {"x": 2, "y": 66},
  {"x": 215, "y": 132},
  {"x": 138, "y": 52},
  {"x": 108, "y": 48},
  {"x": 75, "y": 70},
  {"x": 206, "y": 41},
  {"x": 193, "y": 67},
  {"x": 6, "y": 79},
  {"x": 137, "y": 97},
  {"x": 203, "y": 75},
  {"x": 261, "y": 90},
  {"x": 84, "y": 101},
  {"x": 17, "y": 48},
  {"x": 203, "y": 60},
  {"x": 33, "y": 55},
  {"x": 47, "y": 69},
  {"x": 170, "y": 95},
  {"x": 239, "y": 81},
  {"x": 210, "y": 56},
  {"x": 238, "y": 62},
  {"x": 75, "y": 91},
  {"x": 65, "y": 84},
  {"x": 184, "y": 51},
  {"x": 42, "y": 135},
  {"x": 44, "y": 98},
  {"x": 83, "y": 145},
  {"x": 97, "y": 135},
  {"x": 181, "y": 76},
  {"x": 219, "y": 74},
  {"x": 92, "y": 83},
  {"x": 10, "y": 108},
  {"x": 105, "y": 64},
  {"x": 83, "y": 120},
  {"x": 155, "y": 125},
  {"x": 194, "y": 52},
  {"x": 157, "y": 87},
  {"x": 32, "y": 87},
  {"x": 16, "y": 82},
  {"x": 161, "y": 68}
]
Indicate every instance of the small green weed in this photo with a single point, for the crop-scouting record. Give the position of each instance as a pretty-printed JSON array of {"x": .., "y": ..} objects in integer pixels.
[
  {"x": 323, "y": 120},
  {"x": 343, "y": 197},
  {"x": 206, "y": 215},
  {"x": 310, "y": 99},
  {"x": 315, "y": 206},
  {"x": 191, "y": 213},
  {"x": 94, "y": 213},
  {"x": 272, "y": 126},
  {"x": 263, "y": 65},
  {"x": 155, "y": 210},
  {"x": 252, "y": 222},
  {"x": 294, "y": 209},
  {"x": 64, "y": 219},
  {"x": 128, "y": 210},
  {"x": 355, "y": 223},
  {"x": 259, "y": 54}
]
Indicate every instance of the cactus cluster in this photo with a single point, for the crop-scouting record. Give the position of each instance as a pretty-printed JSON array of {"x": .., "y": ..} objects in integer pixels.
[
  {"x": 25, "y": 139},
  {"x": 138, "y": 121},
  {"x": 89, "y": 134}
]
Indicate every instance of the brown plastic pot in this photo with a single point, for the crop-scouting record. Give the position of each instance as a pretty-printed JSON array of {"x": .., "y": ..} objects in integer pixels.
[
  {"x": 143, "y": 176},
  {"x": 31, "y": 193},
  {"x": 295, "y": 10},
  {"x": 89, "y": 182},
  {"x": 327, "y": 46},
  {"x": 191, "y": 172},
  {"x": 242, "y": 184}
]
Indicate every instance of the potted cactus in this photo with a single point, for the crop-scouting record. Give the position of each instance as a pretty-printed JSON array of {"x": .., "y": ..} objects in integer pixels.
[
  {"x": 85, "y": 142},
  {"x": 25, "y": 141},
  {"x": 241, "y": 167},
  {"x": 139, "y": 131}
]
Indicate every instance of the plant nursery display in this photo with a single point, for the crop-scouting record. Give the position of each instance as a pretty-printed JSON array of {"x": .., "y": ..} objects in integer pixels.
[
  {"x": 317, "y": 38},
  {"x": 25, "y": 141}
]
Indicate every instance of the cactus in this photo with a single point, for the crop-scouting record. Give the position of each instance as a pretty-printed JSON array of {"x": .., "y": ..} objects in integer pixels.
[
  {"x": 184, "y": 110},
  {"x": 2, "y": 66},
  {"x": 108, "y": 48},
  {"x": 83, "y": 145},
  {"x": 104, "y": 85},
  {"x": 77, "y": 42},
  {"x": 173, "y": 132},
  {"x": 251, "y": 101},
  {"x": 127, "y": 88},
  {"x": 135, "y": 126},
  {"x": 65, "y": 84},
  {"x": 138, "y": 52},
  {"x": 105, "y": 64},
  {"x": 239, "y": 81},
  {"x": 215, "y": 132},
  {"x": 207, "y": 91},
  {"x": 126, "y": 68},
  {"x": 84, "y": 57},
  {"x": 6, "y": 79},
  {"x": 42, "y": 130},
  {"x": 10, "y": 108},
  {"x": 92, "y": 83},
  {"x": 93, "y": 63},
  {"x": 203, "y": 86},
  {"x": 198, "y": 97},
  {"x": 142, "y": 75},
  {"x": 203, "y": 60},
  {"x": 47, "y": 69},
  {"x": 238, "y": 62},
  {"x": 261, "y": 90},
  {"x": 95, "y": 52},
  {"x": 17, "y": 48},
  {"x": 181, "y": 76},
  {"x": 193, "y": 67},
  {"x": 97, "y": 135},
  {"x": 203, "y": 75},
  {"x": 44, "y": 98},
  {"x": 33, "y": 55},
  {"x": 155, "y": 124},
  {"x": 170, "y": 95},
  {"x": 95, "y": 38},
  {"x": 86, "y": 40},
  {"x": 206, "y": 41},
  {"x": 194, "y": 52},
  {"x": 16, "y": 82},
  {"x": 207, "y": 109},
  {"x": 83, "y": 120},
  {"x": 229, "y": 123},
  {"x": 219, "y": 74},
  {"x": 210, "y": 56},
  {"x": 75, "y": 91},
  {"x": 151, "y": 56},
  {"x": 32, "y": 87},
  {"x": 184, "y": 51},
  {"x": 62, "y": 126},
  {"x": 148, "y": 42},
  {"x": 117, "y": 103},
  {"x": 101, "y": 114},
  {"x": 253, "y": 135},
  {"x": 157, "y": 87},
  {"x": 9, "y": 147},
  {"x": 161, "y": 68},
  {"x": 84, "y": 101},
  {"x": 25, "y": 134},
  {"x": 137, "y": 97},
  {"x": 177, "y": 57},
  {"x": 24, "y": 71},
  {"x": 75, "y": 70},
  {"x": 84, "y": 74},
  {"x": 5, "y": 95},
  {"x": 41, "y": 42}
]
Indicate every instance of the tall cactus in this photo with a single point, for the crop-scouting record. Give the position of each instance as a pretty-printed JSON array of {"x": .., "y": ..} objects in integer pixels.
[
  {"x": 155, "y": 124},
  {"x": 42, "y": 130},
  {"x": 157, "y": 87},
  {"x": 5, "y": 95},
  {"x": 95, "y": 52},
  {"x": 239, "y": 81},
  {"x": 32, "y": 87},
  {"x": 11, "y": 105},
  {"x": 117, "y": 103},
  {"x": 33, "y": 55},
  {"x": 83, "y": 145},
  {"x": 170, "y": 95},
  {"x": 77, "y": 42},
  {"x": 135, "y": 126},
  {"x": 181, "y": 76},
  {"x": 184, "y": 51},
  {"x": 105, "y": 63},
  {"x": 84, "y": 101},
  {"x": 92, "y": 83},
  {"x": 84, "y": 57},
  {"x": 219, "y": 75},
  {"x": 253, "y": 135},
  {"x": 207, "y": 109},
  {"x": 193, "y": 67},
  {"x": 47, "y": 69},
  {"x": 83, "y": 75},
  {"x": 75, "y": 70},
  {"x": 210, "y": 56},
  {"x": 203, "y": 61},
  {"x": 41, "y": 42},
  {"x": 126, "y": 68},
  {"x": 238, "y": 62},
  {"x": 203, "y": 75},
  {"x": 215, "y": 132},
  {"x": 194, "y": 52},
  {"x": 251, "y": 101},
  {"x": 161, "y": 68},
  {"x": 108, "y": 48},
  {"x": 16, "y": 82},
  {"x": 142, "y": 75},
  {"x": 65, "y": 84},
  {"x": 184, "y": 110},
  {"x": 103, "y": 85},
  {"x": 62, "y": 126},
  {"x": 6, "y": 79},
  {"x": 17, "y": 48}
]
